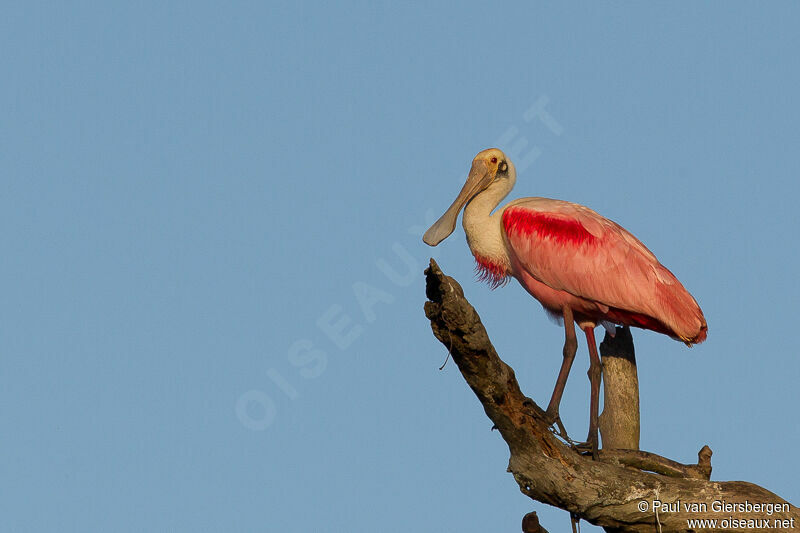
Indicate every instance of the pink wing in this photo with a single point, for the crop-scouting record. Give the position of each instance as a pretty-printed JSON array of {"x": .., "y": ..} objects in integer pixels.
[{"x": 571, "y": 248}]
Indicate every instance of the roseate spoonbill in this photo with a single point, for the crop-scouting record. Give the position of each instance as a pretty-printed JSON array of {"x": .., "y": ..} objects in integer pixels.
[{"x": 581, "y": 267}]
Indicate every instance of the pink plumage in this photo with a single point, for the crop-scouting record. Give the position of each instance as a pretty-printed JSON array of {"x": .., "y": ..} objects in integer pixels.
[
  {"x": 565, "y": 253},
  {"x": 578, "y": 264}
]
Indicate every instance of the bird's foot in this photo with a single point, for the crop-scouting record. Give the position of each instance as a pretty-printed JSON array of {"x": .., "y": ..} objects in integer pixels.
[
  {"x": 594, "y": 442},
  {"x": 583, "y": 448},
  {"x": 590, "y": 447},
  {"x": 556, "y": 426}
]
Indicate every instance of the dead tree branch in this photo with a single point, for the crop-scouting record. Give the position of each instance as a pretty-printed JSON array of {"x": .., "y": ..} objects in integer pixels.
[
  {"x": 619, "y": 421},
  {"x": 607, "y": 492}
]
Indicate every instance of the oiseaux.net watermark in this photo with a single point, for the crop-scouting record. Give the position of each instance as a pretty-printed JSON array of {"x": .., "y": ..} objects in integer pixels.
[
  {"x": 722, "y": 514},
  {"x": 256, "y": 409}
]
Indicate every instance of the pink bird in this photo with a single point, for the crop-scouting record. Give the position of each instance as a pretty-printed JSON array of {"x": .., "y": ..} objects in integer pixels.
[{"x": 581, "y": 267}]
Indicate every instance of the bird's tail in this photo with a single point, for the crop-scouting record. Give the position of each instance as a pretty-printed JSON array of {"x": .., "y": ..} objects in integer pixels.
[{"x": 682, "y": 313}]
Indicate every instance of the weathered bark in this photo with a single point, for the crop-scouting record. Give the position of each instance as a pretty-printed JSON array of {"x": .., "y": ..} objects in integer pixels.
[
  {"x": 619, "y": 421},
  {"x": 607, "y": 492},
  {"x": 530, "y": 524}
]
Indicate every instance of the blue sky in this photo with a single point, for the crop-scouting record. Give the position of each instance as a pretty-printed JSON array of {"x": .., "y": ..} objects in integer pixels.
[{"x": 212, "y": 299}]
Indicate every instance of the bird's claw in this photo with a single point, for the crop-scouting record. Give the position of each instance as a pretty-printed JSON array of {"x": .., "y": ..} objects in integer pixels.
[
  {"x": 556, "y": 426},
  {"x": 590, "y": 447}
]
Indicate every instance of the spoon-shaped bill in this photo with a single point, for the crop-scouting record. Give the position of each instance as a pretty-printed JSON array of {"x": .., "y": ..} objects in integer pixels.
[{"x": 479, "y": 178}]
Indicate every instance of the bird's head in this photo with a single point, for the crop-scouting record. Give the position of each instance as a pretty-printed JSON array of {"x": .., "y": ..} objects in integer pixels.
[{"x": 491, "y": 170}]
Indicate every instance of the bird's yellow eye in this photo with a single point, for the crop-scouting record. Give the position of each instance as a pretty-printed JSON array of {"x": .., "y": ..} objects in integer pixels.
[{"x": 494, "y": 160}]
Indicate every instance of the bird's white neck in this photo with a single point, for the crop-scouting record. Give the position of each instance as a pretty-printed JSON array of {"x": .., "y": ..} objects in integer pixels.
[{"x": 484, "y": 229}]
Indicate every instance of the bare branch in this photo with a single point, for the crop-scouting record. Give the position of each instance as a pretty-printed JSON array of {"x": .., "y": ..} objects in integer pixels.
[
  {"x": 619, "y": 421},
  {"x": 608, "y": 492},
  {"x": 660, "y": 465},
  {"x": 530, "y": 524}
]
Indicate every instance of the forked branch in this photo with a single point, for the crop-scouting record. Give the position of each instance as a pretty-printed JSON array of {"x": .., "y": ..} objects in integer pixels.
[{"x": 608, "y": 492}]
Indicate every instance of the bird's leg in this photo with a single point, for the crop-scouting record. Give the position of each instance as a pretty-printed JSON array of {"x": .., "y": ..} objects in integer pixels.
[
  {"x": 595, "y": 373},
  {"x": 570, "y": 347}
]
